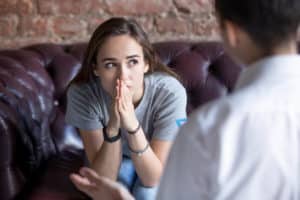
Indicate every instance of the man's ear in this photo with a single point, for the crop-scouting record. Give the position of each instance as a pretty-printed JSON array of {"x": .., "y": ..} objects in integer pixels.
[
  {"x": 231, "y": 33},
  {"x": 239, "y": 42}
]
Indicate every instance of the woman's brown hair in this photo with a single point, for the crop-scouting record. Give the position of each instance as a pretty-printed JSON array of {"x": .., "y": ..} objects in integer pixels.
[{"x": 115, "y": 27}]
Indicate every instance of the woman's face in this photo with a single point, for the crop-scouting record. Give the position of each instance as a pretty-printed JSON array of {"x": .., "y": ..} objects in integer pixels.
[{"x": 121, "y": 57}]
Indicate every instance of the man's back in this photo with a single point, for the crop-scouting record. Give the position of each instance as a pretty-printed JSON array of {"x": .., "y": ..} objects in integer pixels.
[{"x": 245, "y": 146}]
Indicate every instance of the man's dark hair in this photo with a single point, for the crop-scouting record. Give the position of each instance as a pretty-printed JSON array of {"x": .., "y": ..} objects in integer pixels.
[{"x": 268, "y": 22}]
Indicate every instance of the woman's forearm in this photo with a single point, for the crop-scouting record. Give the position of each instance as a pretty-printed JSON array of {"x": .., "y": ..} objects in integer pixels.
[
  {"x": 148, "y": 167},
  {"x": 108, "y": 159}
]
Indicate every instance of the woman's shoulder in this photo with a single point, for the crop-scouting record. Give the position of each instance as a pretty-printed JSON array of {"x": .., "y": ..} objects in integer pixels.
[
  {"x": 161, "y": 80},
  {"x": 165, "y": 88},
  {"x": 82, "y": 89}
]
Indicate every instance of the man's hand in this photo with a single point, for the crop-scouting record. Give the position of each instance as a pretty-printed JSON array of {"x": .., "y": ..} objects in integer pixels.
[{"x": 89, "y": 182}]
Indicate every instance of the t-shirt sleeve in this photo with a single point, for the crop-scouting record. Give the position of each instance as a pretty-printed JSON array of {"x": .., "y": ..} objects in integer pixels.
[
  {"x": 171, "y": 113},
  {"x": 80, "y": 112}
]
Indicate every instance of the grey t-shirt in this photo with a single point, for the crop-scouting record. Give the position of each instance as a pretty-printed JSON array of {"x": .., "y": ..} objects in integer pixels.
[{"x": 161, "y": 111}]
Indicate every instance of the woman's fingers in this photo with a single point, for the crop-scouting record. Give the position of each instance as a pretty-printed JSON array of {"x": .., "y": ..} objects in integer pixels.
[
  {"x": 121, "y": 102},
  {"x": 126, "y": 107},
  {"x": 114, "y": 120},
  {"x": 118, "y": 88},
  {"x": 126, "y": 97}
]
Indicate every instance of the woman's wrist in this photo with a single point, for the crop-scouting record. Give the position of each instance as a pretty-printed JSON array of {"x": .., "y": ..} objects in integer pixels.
[
  {"x": 137, "y": 141},
  {"x": 111, "y": 138},
  {"x": 111, "y": 132},
  {"x": 134, "y": 130},
  {"x": 139, "y": 152}
]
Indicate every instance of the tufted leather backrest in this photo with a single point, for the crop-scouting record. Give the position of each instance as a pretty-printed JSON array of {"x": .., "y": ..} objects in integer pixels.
[
  {"x": 27, "y": 90},
  {"x": 206, "y": 71},
  {"x": 33, "y": 83}
]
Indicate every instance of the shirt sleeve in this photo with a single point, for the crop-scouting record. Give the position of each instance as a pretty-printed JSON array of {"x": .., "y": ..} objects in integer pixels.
[
  {"x": 192, "y": 169},
  {"x": 80, "y": 112},
  {"x": 171, "y": 112}
]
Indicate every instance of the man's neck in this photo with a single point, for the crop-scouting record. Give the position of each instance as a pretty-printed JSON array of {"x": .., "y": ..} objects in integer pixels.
[{"x": 287, "y": 48}]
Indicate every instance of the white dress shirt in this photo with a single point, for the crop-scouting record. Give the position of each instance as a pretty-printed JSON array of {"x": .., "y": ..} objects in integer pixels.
[{"x": 243, "y": 146}]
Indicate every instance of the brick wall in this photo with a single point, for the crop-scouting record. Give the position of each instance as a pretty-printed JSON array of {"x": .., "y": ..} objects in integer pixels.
[{"x": 25, "y": 22}]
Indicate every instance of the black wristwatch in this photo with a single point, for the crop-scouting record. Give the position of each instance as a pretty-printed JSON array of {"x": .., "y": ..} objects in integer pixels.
[{"x": 110, "y": 139}]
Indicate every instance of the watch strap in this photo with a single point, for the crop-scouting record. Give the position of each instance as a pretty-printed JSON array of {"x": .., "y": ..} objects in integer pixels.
[{"x": 110, "y": 139}]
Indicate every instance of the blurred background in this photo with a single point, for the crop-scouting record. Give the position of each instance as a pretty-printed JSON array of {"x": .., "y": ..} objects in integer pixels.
[{"x": 24, "y": 22}]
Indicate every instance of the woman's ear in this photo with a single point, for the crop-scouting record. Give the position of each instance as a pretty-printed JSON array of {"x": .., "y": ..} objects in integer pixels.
[
  {"x": 94, "y": 70},
  {"x": 95, "y": 73},
  {"x": 146, "y": 68}
]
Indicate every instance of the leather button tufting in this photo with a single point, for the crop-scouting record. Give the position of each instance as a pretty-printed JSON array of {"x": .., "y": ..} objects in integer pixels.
[{"x": 56, "y": 103}]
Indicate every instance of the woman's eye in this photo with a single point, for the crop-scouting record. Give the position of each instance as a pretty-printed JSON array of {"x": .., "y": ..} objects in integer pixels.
[
  {"x": 133, "y": 62},
  {"x": 109, "y": 65}
]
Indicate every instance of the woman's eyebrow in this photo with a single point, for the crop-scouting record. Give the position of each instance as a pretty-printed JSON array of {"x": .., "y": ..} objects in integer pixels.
[
  {"x": 108, "y": 59},
  {"x": 114, "y": 59},
  {"x": 132, "y": 56}
]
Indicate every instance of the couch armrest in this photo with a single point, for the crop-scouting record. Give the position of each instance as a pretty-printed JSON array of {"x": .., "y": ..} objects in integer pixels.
[{"x": 11, "y": 178}]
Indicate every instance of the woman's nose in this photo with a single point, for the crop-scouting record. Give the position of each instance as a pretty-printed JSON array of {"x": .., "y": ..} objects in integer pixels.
[{"x": 124, "y": 72}]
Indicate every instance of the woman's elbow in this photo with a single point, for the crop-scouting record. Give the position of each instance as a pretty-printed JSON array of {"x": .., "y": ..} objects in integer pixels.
[{"x": 153, "y": 182}]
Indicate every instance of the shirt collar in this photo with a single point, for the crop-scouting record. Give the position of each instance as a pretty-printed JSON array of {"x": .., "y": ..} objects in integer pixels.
[{"x": 273, "y": 68}]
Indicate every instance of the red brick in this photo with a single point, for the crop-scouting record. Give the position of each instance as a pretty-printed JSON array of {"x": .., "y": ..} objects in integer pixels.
[
  {"x": 68, "y": 27},
  {"x": 8, "y": 25},
  {"x": 172, "y": 24},
  {"x": 75, "y": 20},
  {"x": 194, "y": 6},
  {"x": 8, "y": 6},
  {"x": 138, "y": 7},
  {"x": 46, "y": 7},
  {"x": 97, "y": 6},
  {"x": 33, "y": 26},
  {"x": 26, "y": 7},
  {"x": 65, "y": 7},
  {"x": 146, "y": 23},
  {"x": 73, "y": 6},
  {"x": 94, "y": 23},
  {"x": 206, "y": 26}
]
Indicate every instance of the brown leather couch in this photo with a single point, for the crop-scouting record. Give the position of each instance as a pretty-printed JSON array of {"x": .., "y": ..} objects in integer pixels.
[{"x": 38, "y": 150}]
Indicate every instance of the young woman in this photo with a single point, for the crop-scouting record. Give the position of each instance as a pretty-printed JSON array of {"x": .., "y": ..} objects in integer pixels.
[{"x": 127, "y": 105}]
